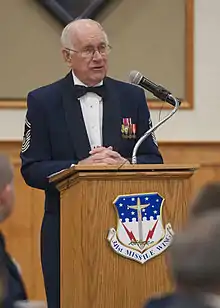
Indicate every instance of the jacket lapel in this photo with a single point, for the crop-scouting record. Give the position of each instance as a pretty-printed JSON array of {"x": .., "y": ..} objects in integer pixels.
[
  {"x": 74, "y": 119},
  {"x": 111, "y": 116}
]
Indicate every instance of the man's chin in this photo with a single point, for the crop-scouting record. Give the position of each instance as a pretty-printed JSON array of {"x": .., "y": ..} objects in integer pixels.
[{"x": 99, "y": 76}]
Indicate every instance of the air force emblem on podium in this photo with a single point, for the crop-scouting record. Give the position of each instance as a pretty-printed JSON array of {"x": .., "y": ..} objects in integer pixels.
[{"x": 140, "y": 233}]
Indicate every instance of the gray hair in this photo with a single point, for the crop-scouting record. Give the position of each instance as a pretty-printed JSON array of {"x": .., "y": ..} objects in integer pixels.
[
  {"x": 70, "y": 31},
  {"x": 195, "y": 253},
  {"x": 207, "y": 199}
]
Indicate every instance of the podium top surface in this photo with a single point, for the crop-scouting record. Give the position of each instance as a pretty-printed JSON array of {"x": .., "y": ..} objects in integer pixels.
[{"x": 138, "y": 168}]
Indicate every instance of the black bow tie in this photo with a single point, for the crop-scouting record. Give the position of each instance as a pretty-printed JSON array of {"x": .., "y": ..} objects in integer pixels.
[{"x": 82, "y": 90}]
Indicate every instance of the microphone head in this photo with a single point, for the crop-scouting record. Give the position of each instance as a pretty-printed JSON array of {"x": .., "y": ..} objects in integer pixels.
[{"x": 135, "y": 77}]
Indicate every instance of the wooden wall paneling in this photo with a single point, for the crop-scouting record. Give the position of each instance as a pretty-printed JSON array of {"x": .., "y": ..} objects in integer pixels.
[{"x": 204, "y": 153}]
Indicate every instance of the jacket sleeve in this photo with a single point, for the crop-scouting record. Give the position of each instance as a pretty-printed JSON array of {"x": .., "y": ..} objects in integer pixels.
[
  {"x": 156, "y": 303},
  {"x": 36, "y": 157},
  {"x": 148, "y": 152}
]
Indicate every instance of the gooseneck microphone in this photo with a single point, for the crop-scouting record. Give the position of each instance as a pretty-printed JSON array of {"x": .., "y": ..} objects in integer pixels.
[
  {"x": 161, "y": 93},
  {"x": 157, "y": 90}
]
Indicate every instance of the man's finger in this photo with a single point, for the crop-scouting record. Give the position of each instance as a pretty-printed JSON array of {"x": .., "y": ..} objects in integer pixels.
[
  {"x": 98, "y": 156},
  {"x": 110, "y": 161},
  {"x": 114, "y": 154},
  {"x": 96, "y": 150},
  {"x": 99, "y": 149}
]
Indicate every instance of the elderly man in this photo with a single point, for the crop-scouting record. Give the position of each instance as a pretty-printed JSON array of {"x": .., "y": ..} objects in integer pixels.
[
  {"x": 13, "y": 285},
  {"x": 84, "y": 118}
]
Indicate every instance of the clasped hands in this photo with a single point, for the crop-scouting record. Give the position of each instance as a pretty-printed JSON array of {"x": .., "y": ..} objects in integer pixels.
[{"x": 104, "y": 156}]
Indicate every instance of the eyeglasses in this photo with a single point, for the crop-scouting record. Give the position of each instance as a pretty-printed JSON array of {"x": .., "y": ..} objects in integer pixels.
[{"x": 90, "y": 51}]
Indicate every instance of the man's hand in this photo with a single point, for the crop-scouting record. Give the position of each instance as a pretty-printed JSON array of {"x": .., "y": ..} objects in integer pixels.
[{"x": 104, "y": 156}]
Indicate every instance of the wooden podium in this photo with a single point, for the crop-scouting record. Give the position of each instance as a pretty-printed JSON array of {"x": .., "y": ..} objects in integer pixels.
[{"x": 93, "y": 275}]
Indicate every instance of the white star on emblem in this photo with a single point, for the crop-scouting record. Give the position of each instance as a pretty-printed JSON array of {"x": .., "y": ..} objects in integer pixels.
[
  {"x": 157, "y": 200},
  {"x": 122, "y": 214},
  {"x": 146, "y": 198},
  {"x": 120, "y": 204},
  {"x": 143, "y": 210},
  {"x": 123, "y": 198},
  {"x": 133, "y": 199},
  {"x": 155, "y": 212},
  {"x": 132, "y": 213},
  {"x": 152, "y": 205}
]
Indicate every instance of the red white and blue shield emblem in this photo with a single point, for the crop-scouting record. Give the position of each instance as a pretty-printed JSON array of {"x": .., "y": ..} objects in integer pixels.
[{"x": 140, "y": 233}]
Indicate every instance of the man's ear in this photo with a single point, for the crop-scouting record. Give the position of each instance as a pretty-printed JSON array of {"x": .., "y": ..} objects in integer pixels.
[
  {"x": 3, "y": 194},
  {"x": 1, "y": 199},
  {"x": 67, "y": 56},
  {"x": 6, "y": 202}
]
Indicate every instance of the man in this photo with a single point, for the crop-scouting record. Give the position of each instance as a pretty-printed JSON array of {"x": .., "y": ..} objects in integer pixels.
[
  {"x": 194, "y": 262},
  {"x": 207, "y": 200},
  {"x": 194, "y": 259},
  {"x": 67, "y": 125},
  {"x": 13, "y": 286}
]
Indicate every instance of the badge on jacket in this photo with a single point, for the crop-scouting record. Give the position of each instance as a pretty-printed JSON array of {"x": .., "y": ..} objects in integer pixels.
[
  {"x": 27, "y": 136},
  {"x": 128, "y": 129}
]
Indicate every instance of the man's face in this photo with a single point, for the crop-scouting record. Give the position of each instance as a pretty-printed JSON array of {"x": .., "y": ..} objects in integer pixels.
[
  {"x": 7, "y": 199},
  {"x": 89, "y": 66}
]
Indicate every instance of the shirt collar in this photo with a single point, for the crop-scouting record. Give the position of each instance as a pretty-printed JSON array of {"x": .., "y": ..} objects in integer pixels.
[{"x": 78, "y": 82}]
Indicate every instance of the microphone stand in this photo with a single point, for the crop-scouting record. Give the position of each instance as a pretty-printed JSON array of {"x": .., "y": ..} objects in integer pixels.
[{"x": 152, "y": 129}]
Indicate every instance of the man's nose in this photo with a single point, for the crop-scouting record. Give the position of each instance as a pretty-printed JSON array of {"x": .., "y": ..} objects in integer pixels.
[{"x": 97, "y": 55}]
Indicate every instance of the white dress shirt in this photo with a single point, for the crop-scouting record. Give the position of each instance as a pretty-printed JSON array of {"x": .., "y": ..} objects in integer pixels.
[{"x": 92, "y": 110}]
